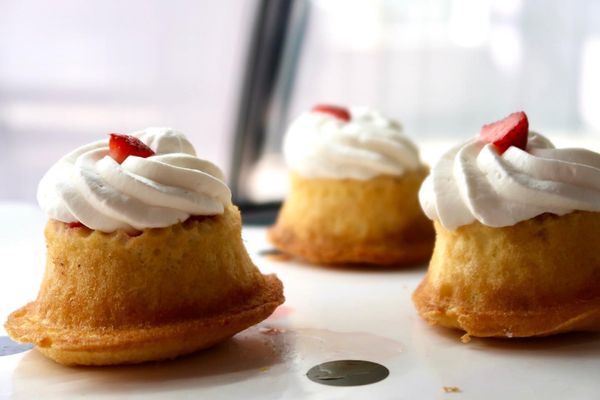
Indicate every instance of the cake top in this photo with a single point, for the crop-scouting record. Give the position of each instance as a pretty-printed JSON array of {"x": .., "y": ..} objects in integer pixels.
[
  {"x": 508, "y": 174},
  {"x": 148, "y": 179},
  {"x": 358, "y": 143}
]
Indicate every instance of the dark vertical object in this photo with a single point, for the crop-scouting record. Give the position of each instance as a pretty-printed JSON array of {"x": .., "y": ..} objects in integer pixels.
[{"x": 263, "y": 63}]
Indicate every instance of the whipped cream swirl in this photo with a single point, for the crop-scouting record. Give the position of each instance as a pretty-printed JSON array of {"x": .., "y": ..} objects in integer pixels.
[
  {"x": 90, "y": 187},
  {"x": 473, "y": 182},
  {"x": 319, "y": 145}
]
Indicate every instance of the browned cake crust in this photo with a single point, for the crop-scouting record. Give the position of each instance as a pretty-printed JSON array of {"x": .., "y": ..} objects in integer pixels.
[
  {"x": 115, "y": 299},
  {"x": 128, "y": 345},
  {"x": 536, "y": 278},
  {"x": 377, "y": 221}
]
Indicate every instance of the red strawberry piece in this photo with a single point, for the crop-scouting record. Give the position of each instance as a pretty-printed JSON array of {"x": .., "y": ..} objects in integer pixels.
[
  {"x": 338, "y": 112},
  {"x": 122, "y": 146},
  {"x": 75, "y": 225},
  {"x": 510, "y": 131}
]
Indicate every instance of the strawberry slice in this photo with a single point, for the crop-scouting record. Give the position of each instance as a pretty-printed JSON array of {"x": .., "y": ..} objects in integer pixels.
[
  {"x": 338, "y": 112},
  {"x": 510, "y": 131},
  {"x": 122, "y": 146},
  {"x": 75, "y": 224}
]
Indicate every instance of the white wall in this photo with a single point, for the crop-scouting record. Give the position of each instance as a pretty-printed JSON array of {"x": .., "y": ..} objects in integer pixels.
[{"x": 72, "y": 71}]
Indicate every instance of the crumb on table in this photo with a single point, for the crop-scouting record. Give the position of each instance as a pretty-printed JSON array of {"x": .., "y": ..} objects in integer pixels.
[
  {"x": 271, "y": 331},
  {"x": 466, "y": 338},
  {"x": 451, "y": 389}
]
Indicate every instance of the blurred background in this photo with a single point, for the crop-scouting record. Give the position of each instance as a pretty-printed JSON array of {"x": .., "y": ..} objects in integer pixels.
[{"x": 232, "y": 74}]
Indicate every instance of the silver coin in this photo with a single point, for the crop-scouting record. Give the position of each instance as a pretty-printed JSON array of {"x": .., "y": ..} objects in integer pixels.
[{"x": 347, "y": 373}]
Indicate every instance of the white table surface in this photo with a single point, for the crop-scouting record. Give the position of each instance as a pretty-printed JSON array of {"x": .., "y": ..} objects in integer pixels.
[{"x": 329, "y": 314}]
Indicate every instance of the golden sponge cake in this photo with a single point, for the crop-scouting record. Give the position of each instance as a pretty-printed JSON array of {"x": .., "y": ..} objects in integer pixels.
[
  {"x": 112, "y": 298},
  {"x": 535, "y": 278},
  {"x": 375, "y": 221}
]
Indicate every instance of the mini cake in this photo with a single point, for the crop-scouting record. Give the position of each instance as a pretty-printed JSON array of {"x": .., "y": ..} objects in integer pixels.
[
  {"x": 144, "y": 256},
  {"x": 353, "y": 197},
  {"x": 518, "y": 234}
]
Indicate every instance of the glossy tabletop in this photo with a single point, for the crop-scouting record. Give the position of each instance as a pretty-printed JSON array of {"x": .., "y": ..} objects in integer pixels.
[{"x": 330, "y": 314}]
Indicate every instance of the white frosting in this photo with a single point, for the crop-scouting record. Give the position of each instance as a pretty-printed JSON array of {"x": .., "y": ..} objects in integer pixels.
[
  {"x": 473, "y": 182},
  {"x": 319, "y": 145},
  {"x": 88, "y": 186}
]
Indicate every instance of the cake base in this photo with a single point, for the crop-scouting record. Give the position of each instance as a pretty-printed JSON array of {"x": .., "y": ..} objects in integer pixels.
[
  {"x": 115, "y": 298},
  {"x": 536, "y": 278},
  {"x": 341, "y": 221},
  {"x": 131, "y": 345}
]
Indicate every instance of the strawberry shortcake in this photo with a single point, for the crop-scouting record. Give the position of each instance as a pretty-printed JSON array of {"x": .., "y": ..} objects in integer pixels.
[
  {"x": 145, "y": 259},
  {"x": 518, "y": 233},
  {"x": 354, "y": 183}
]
